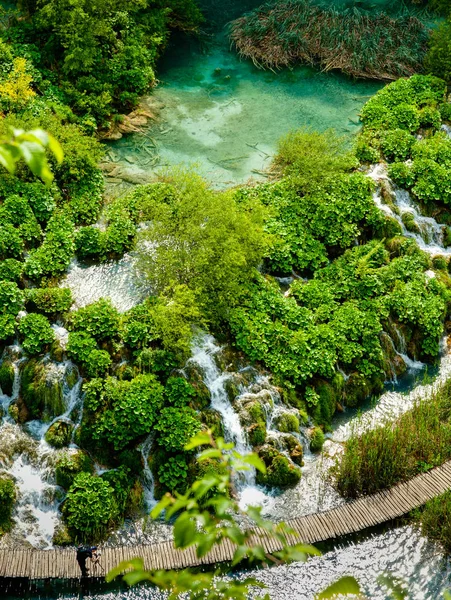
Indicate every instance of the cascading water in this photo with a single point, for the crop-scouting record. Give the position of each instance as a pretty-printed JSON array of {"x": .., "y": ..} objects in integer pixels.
[{"x": 429, "y": 234}]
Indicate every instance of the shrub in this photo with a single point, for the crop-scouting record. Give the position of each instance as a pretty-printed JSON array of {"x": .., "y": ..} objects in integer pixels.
[
  {"x": 396, "y": 144},
  {"x": 173, "y": 474},
  {"x": 80, "y": 345},
  {"x": 176, "y": 426},
  {"x": 10, "y": 270},
  {"x": 438, "y": 59},
  {"x": 37, "y": 333},
  {"x": 97, "y": 363},
  {"x": 11, "y": 244},
  {"x": 7, "y": 499},
  {"x": 11, "y": 298},
  {"x": 51, "y": 300},
  {"x": 99, "y": 320},
  {"x": 68, "y": 466},
  {"x": 90, "y": 243},
  {"x": 90, "y": 508},
  {"x": 179, "y": 392}
]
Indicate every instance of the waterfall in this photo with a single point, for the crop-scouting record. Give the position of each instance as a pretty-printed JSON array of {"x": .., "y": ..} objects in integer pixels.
[
  {"x": 204, "y": 350},
  {"x": 147, "y": 476},
  {"x": 429, "y": 235}
]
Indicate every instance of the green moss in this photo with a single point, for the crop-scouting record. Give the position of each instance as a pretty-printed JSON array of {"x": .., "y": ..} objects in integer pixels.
[
  {"x": 357, "y": 388},
  {"x": 294, "y": 449},
  {"x": 41, "y": 390},
  {"x": 59, "y": 434},
  {"x": 439, "y": 262},
  {"x": 62, "y": 537},
  {"x": 257, "y": 434},
  {"x": 409, "y": 222},
  {"x": 213, "y": 420},
  {"x": 316, "y": 439},
  {"x": 328, "y": 398},
  {"x": 69, "y": 466},
  {"x": 287, "y": 422},
  {"x": 6, "y": 377},
  {"x": 279, "y": 471},
  {"x": 7, "y": 499}
]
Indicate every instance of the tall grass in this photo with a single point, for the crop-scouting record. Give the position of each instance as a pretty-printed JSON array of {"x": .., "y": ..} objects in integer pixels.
[
  {"x": 378, "y": 459},
  {"x": 360, "y": 44},
  {"x": 436, "y": 520}
]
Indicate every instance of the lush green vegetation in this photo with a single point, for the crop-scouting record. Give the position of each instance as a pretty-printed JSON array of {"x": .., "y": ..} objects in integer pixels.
[
  {"x": 436, "y": 520},
  {"x": 7, "y": 499},
  {"x": 418, "y": 441},
  {"x": 361, "y": 44}
]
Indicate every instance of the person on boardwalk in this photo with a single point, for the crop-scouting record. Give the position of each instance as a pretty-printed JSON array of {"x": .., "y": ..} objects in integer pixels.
[{"x": 83, "y": 553}]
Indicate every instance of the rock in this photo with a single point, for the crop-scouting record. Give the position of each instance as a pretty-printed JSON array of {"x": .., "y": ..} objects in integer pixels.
[
  {"x": 59, "y": 434},
  {"x": 6, "y": 377},
  {"x": 316, "y": 439},
  {"x": 279, "y": 471}
]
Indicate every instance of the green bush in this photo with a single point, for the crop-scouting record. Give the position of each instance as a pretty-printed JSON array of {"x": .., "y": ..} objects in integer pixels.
[
  {"x": 11, "y": 298},
  {"x": 7, "y": 499},
  {"x": 11, "y": 244},
  {"x": 99, "y": 320},
  {"x": 79, "y": 346},
  {"x": 176, "y": 426},
  {"x": 90, "y": 508},
  {"x": 179, "y": 392},
  {"x": 438, "y": 59},
  {"x": 396, "y": 144},
  {"x": 90, "y": 243},
  {"x": 50, "y": 300},
  {"x": 68, "y": 466},
  {"x": 173, "y": 474},
  {"x": 36, "y": 332},
  {"x": 10, "y": 270},
  {"x": 97, "y": 363}
]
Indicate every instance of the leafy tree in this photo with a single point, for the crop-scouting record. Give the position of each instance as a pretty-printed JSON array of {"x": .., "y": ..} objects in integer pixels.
[{"x": 203, "y": 240}]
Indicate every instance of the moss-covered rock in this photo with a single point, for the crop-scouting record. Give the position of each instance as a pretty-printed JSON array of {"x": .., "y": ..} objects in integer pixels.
[
  {"x": 256, "y": 434},
  {"x": 71, "y": 376},
  {"x": 294, "y": 449},
  {"x": 62, "y": 537},
  {"x": 440, "y": 263},
  {"x": 280, "y": 472},
  {"x": 328, "y": 397},
  {"x": 316, "y": 439},
  {"x": 287, "y": 422},
  {"x": 213, "y": 420},
  {"x": 41, "y": 389},
  {"x": 357, "y": 388},
  {"x": 59, "y": 434},
  {"x": 6, "y": 377},
  {"x": 69, "y": 465},
  {"x": 7, "y": 499},
  {"x": 409, "y": 222}
]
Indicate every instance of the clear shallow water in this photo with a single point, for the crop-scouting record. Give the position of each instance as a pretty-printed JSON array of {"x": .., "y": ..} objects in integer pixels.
[{"x": 225, "y": 117}]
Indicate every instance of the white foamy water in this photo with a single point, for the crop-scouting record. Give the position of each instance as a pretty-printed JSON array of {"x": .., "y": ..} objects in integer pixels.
[
  {"x": 117, "y": 280},
  {"x": 431, "y": 234}
]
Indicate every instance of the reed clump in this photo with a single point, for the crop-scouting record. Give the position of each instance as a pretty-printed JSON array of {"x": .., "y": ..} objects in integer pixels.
[
  {"x": 358, "y": 43},
  {"x": 380, "y": 458}
]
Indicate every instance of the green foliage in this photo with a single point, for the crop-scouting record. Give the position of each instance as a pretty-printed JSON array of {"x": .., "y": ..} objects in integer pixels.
[
  {"x": 97, "y": 363},
  {"x": 202, "y": 240},
  {"x": 130, "y": 409},
  {"x": 54, "y": 255},
  {"x": 436, "y": 520},
  {"x": 179, "y": 392},
  {"x": 100, "y": 320},
  {"x": 50, "y": 300},
  {"x": 7, "y": 499},
  {"x": 397, "y": 144},
  {"x": 68, "y": 466},
  {"x": 379, "y": 458},
  {"x": 79, "y": 346},
  {"x": 36, "y": 332},
  {"x": 174, "y": 473},
  {"x": 10, "y": 270},
  {"x": 438, "y": 59},
  {"x": 11, "y": 298},
  {"x": 176, "y": 426},
  {"x": 90, "y": 508}
]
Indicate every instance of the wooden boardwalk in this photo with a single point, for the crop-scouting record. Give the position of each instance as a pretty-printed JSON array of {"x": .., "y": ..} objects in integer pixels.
[{"x": 350, "y": 517}]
